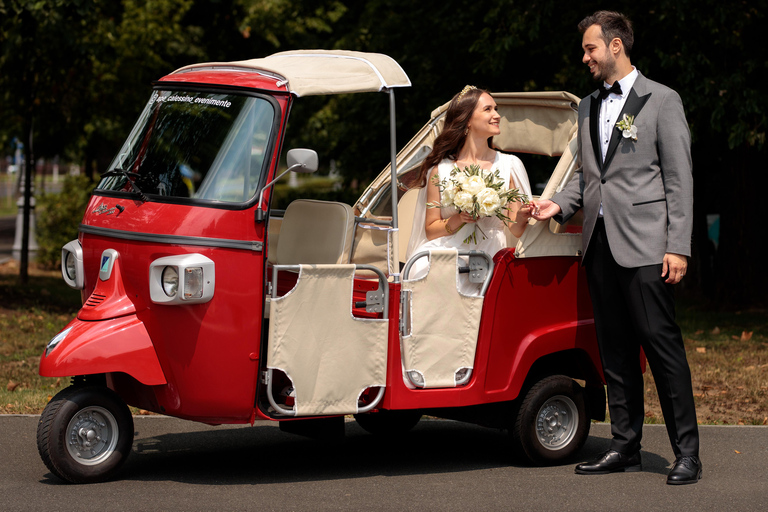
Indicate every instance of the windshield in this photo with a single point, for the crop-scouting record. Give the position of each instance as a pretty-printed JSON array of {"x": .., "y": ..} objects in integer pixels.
[{"x": 200, "y": 145}]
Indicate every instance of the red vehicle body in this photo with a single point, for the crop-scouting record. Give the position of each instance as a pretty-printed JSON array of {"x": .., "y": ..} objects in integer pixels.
[{"x": 205, "y": 357}]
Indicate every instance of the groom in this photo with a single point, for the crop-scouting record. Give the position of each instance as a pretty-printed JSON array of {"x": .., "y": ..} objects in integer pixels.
[{"x": 635, "y": 187}]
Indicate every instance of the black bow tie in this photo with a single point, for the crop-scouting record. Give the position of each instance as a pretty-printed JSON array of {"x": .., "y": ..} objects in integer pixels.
[{"x": 615, "y": 88}]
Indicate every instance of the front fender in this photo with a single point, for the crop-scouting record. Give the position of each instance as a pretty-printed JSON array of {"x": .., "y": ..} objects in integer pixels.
[
  {"x": 106, "y": 346},
  {"x": 553, "y": 339}
]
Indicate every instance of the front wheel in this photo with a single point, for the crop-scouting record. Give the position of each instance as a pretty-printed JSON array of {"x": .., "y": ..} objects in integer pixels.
[
  {"x": 551, "y": 424},
  {"x": 85, "y": 434}
]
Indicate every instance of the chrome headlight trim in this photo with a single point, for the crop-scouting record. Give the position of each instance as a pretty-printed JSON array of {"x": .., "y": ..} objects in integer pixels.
[
  {"x": 196, "y": 279},
  {"x": 72, "y": 269}
]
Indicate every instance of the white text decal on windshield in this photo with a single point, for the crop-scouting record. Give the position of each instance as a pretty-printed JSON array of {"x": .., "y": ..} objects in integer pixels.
[{"x": 192, "y": 99}]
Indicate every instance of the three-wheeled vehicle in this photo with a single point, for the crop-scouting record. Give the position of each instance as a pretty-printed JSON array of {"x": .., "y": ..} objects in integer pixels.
[{"x": 202, "y": 302}]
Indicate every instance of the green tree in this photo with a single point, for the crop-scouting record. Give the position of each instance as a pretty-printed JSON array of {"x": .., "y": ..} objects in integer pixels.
[
  {"x": 75, "y": 73},
  {"x": 58, "y": 218},
  {"x": 710, "y": 51}
]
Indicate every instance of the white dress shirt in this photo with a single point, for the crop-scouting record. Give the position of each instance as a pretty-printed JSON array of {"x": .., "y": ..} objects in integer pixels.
[{"x": 610, "y": 108}]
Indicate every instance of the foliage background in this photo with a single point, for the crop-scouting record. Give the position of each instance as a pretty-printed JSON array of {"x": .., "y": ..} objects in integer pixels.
[
  {"x": 74, "y": 75},
  {"x": 58, "y": 218}
]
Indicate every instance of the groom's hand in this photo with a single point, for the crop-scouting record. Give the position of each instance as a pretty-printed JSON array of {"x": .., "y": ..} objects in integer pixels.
[
  {"x": 545, "y": 209},
  {"x": 674, "y": 267}
]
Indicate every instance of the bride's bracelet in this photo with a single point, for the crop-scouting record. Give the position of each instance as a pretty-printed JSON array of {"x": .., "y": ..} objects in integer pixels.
[{"x": 447, "y": 228}]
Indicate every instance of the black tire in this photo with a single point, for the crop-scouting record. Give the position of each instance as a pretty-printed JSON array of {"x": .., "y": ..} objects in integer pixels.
[
  {"x": 85, "y": 434},
  {"x": 551, "y": 424},
  {"x": 388, "y": 423}
]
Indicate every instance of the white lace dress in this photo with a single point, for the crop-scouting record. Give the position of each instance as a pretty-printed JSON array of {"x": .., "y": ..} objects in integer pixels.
[{"x": 509, "y": 166}]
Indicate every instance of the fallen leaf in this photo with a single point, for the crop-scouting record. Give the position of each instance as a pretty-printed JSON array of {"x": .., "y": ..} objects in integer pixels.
[
  {"x": 737, "y": 451},
  {"x": 746, "y": 336},
  {"x": 716, "y": 330},
  {"x": 734, "y": 337},
  {"x": 701, "y": 350},
  {"x": 765, "y": 421},
  {"x": 700, "y": 331},
  {"x": 12, "y": 386},
  {"x": 750, "y": 368}
]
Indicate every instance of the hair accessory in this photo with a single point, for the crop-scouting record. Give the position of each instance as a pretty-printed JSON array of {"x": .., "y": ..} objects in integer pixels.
[{"x": 465, "y": 90}]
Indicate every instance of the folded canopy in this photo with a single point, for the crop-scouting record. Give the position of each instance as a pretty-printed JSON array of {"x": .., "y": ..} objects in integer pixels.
[{"x": 317, "y": 72}]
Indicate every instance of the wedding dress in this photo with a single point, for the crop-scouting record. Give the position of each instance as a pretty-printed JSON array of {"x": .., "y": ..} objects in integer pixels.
[{"x": 489, "y": 231}]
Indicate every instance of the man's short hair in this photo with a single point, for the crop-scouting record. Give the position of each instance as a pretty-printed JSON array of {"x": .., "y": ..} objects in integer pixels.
[{"x": 613, "y": 25}]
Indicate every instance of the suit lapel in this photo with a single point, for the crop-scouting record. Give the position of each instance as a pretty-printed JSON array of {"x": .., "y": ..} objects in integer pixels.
[
  {"x": 632, "y": 106},
  {"x": 594, "y": 112}
]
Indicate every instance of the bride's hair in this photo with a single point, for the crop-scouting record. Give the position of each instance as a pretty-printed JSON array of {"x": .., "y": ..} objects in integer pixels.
[{"x": 451, "y": 139}]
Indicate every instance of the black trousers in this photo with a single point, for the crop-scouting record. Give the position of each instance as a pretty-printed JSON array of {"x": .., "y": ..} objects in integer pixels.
[{"x": 635, "y": 308}]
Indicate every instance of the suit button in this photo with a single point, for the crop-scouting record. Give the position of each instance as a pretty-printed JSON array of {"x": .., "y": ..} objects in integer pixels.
[{"x": 602, "y": 181}]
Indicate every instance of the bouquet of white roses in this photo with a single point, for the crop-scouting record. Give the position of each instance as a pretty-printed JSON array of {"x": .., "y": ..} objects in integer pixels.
[{"x": 479, "y": 192}]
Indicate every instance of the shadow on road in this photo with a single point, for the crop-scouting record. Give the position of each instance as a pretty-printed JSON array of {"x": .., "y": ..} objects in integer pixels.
[{"x": 265, "y": 455}]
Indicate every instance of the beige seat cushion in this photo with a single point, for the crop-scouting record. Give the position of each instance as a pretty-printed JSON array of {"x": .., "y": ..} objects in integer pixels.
[{"x": 315, "y": 232}]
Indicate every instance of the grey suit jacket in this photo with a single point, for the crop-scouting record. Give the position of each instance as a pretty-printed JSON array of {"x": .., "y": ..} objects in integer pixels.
[{"x": 646, "y": 186}]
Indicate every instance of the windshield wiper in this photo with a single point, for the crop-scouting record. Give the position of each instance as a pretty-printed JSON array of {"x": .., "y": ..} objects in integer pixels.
[{"x": 130, "y": 176}]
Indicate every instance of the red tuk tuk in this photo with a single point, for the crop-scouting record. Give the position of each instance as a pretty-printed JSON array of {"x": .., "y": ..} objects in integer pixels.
[{"x": 202, "y": 302}]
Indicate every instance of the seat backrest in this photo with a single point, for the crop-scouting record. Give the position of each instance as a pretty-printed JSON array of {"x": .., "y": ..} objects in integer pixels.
[
  {"x": 405, "y": 212},
  {"x": 319, "y": 232}
]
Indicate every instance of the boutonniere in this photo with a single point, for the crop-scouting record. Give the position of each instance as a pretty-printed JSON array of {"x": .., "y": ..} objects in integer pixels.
[{"x": 627, "y": 127}]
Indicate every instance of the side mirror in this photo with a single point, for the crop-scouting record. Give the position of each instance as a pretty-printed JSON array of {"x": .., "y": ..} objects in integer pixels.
[
  {"x": 304, "y": 161},
  {"x": 301, "y": 160}
]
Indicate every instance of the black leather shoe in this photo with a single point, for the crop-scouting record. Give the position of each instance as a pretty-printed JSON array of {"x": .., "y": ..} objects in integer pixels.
[
  {"x": 687, "y": 470},
  {"x": 611, "y": 462}
]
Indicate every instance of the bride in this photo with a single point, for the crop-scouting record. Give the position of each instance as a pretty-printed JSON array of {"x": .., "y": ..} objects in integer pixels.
[{"x": 470, "y": 121}]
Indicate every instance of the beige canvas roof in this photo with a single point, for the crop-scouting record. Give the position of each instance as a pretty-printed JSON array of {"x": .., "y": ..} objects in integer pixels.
[
  {"x": 540, "y": 123},
  {"x": 318, "y": 72}
]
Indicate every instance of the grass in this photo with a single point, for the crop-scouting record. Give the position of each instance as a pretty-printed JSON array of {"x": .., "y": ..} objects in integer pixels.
[
  {"x": 727, "y": 352},
  {"x": 728, "y": 356},
  {"x": 30, "y": 316}
]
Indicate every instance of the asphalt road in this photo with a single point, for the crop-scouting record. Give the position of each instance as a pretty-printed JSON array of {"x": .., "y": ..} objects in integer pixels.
[{"x": 440, "y": 465}]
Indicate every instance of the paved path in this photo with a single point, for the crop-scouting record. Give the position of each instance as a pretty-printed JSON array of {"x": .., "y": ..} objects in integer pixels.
[{"x": 440, "y": 465}]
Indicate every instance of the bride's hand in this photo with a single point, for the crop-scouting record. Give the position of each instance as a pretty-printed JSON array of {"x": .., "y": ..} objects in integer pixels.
[
  {"x": 525, "y": 212},
  {"x": 466, "y": 217}
]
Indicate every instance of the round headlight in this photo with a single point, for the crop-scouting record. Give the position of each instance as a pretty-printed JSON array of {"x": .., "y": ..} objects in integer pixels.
[
  {"x": 69, "y": 266},
  {"x": 170, "y": 279}
]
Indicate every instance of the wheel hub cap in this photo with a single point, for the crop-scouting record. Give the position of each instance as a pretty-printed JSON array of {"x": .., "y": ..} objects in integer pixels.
[
  {"x": 92, "y": 435},
  {"x": 556, "y": 422}
]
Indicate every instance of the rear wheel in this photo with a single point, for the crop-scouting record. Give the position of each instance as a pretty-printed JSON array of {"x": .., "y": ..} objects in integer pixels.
[
  {"x": 388, "y": 423},
  {"x": 85, "y": 434},
  {"x": 552, "y": 423}
]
